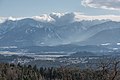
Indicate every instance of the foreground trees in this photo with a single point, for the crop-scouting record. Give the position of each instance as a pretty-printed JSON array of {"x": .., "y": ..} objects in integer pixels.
[{"x": 104, "y": 70}]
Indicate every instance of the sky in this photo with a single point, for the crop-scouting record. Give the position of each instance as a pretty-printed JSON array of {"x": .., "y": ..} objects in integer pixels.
[{"x": 23, "y": 8}]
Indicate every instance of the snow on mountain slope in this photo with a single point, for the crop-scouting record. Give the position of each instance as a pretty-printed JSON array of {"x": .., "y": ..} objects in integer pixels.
[
  {"x": 53, "y": 29},
  {"x": 64, "y": 17},
  {"x": 2, "y": 20}
]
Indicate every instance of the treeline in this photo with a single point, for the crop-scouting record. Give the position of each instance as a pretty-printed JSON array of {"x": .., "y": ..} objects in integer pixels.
[{"x": 103, "y": 71}]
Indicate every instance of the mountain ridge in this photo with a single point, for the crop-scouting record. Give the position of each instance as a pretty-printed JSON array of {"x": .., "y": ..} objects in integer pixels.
[
  {"x": 30, "y": 32},
  {"x": 61, "y": 17}
]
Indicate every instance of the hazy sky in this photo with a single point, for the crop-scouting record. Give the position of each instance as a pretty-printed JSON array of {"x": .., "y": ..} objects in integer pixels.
[{"x": 37, "y": 7}]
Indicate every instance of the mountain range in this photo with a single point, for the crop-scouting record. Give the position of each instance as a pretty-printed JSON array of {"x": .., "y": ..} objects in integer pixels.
[{"x": 56, "y": 29}]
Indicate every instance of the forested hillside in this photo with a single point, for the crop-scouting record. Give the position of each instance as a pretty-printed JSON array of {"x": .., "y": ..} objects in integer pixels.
[{"x": 104, "y": 71}]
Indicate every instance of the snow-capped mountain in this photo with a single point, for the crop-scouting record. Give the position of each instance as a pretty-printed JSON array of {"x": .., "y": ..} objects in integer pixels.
[{"x": 55, "y": 29}]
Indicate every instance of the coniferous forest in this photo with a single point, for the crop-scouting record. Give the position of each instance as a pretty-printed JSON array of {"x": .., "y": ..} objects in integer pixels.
[{"x": 103, "y": 71}]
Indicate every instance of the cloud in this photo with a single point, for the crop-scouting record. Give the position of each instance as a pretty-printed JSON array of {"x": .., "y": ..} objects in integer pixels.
[
  {"x": 61, "y": 18},
  {"x": 99, "y": 17},
  {"x": 43, "y": 18},
  {"x": 57, "y": 18},
  {"x": 103, "y": 4}
]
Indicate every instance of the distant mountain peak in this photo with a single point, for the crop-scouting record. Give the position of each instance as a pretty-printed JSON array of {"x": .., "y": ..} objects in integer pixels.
[{"x": 67, "y": 17}]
